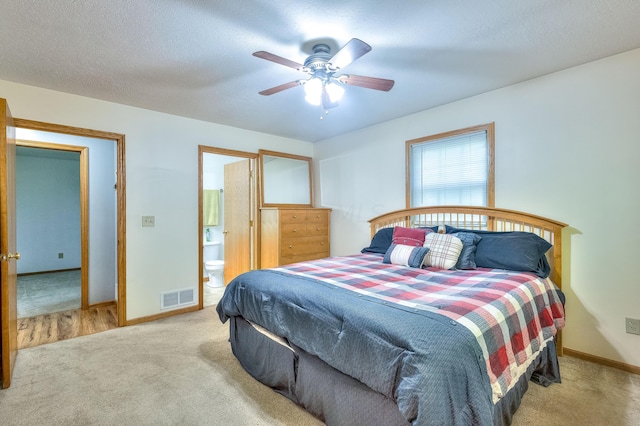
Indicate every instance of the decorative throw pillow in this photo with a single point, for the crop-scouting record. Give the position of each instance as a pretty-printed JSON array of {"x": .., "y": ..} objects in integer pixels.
[
  {"x": 444, "y": 250},
  {"x": 399, "y": 254},
  {"x": 409, "y": 236},
  {"x": 467, "y": 259}
]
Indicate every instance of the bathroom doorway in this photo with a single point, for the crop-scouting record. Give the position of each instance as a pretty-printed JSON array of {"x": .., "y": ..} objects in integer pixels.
[{"x": 226, "y": 219}]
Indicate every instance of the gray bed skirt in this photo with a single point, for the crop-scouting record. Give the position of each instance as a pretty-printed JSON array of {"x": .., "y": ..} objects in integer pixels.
[{"x": 338, "y": 399}]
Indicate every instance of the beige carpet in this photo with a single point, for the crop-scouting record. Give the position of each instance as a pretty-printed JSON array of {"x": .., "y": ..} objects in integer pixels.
[{"x": 180, "y": 371}]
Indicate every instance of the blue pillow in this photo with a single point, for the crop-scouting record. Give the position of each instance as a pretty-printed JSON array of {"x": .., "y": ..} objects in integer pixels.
[
  {"x": 381, "y": 242},
  {"x": 515, "y": 251},
  {"x": 467, "y": 259},
  {"x": 400, "y": 254}
]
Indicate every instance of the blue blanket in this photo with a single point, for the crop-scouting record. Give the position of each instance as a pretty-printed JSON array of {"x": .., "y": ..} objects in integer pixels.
[{"x": 429, "y": 364}]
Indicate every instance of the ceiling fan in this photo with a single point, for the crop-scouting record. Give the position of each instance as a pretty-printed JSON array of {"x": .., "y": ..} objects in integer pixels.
[{"x": 324, "y": 87}]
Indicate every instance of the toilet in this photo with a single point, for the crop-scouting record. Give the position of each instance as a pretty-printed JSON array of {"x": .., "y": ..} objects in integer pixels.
[{"x": 213, "y": 266}]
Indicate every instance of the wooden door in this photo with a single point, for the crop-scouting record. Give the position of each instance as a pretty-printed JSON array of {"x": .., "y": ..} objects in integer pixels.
[
  {"x": 8, "y": 253},
  {"x": 237, "y": 219}
]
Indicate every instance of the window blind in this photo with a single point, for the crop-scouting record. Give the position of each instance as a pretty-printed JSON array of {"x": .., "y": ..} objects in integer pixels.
[{"x": 450, "y": 171}]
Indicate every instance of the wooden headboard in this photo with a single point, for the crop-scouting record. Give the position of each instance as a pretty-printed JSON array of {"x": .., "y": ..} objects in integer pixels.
[{"x": 481, "y": 218}]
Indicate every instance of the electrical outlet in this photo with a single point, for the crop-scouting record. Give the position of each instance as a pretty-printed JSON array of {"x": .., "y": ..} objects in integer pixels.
[
  {"x": 60, "y": 255},
  {"x": 148, "y": 221},
  {"x": 632, "y": 325}
]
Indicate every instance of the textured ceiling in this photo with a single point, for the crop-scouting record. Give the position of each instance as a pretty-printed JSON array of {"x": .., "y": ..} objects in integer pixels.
[{"x": 193, "y": 58}]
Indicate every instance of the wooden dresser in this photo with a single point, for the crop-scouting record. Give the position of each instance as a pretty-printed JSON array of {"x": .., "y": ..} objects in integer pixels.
[{"x": 289, "y": 235}]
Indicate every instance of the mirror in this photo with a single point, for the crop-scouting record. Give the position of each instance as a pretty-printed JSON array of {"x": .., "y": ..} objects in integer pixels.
[{"x": 285, "y": 179}]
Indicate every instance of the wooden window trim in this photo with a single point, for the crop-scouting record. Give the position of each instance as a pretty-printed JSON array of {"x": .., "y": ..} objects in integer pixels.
[{"x": 489, "y": 128}]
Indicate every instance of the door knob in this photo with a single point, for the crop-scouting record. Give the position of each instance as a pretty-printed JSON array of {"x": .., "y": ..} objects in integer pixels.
[
  {"x": 6, "y": 257},
  {"x": 225, "y": 232}
]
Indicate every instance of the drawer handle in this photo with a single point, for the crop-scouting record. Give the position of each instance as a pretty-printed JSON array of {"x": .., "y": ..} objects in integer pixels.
[
  {"x": 317, "y": 229},
  {"x": 294, "y": 216},
  {"x": 290, "y": 246},
  {"x": 295, "y": 230},
  {"x": 322, "y": 243}
]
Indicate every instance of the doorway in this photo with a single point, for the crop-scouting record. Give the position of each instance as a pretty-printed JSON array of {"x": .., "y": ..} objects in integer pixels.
[
  {"x": 51, "y": 205},
  {"x": 61, "y": 201},
  {"x": 227, "y": 213},
  {"x": 94, "y": 268}
]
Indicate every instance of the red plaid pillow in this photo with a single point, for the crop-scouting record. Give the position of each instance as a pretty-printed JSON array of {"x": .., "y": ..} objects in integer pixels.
[{"x": 409, "y": 236}]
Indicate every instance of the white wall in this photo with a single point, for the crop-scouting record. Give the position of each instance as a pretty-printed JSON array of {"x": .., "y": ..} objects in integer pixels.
[
  {"x": 162, "y": 180},
  {"x": 47, "y": 213},
  {"x": 567, "y": 147}
]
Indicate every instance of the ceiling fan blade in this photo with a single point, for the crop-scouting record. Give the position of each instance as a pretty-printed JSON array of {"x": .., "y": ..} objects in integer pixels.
[
  {"x": 367, "y": 82},
  {"x": 280, "y": 88},
  {"x": 278, "y": 60},
  {"x": 349, "y": 53}
]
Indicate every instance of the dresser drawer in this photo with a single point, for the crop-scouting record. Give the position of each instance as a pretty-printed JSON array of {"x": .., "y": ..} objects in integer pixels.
[
  {"x": 317, "y": 229},
  {"x": 293, "y": 216},
  {"x": 285, "y": 260},
  {"x": 317, "y": 216},
  {"x": 303, "y": 245},
  {"x": 292, "y": 230}
]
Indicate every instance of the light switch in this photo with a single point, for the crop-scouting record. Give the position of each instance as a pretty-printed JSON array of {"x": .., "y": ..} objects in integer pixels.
[{"x": 148, "y": 221}]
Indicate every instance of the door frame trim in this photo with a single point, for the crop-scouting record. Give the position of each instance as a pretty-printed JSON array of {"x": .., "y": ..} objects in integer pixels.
[
  {"x": 84, "y": 208},
  {"x": 202, "y": 149},
  {"x": 119, "y": 140}
]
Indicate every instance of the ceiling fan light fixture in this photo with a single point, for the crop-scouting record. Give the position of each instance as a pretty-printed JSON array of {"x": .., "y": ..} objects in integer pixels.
[
  {"x": 313, "y": 90},
  {"x": 335, "y": 91}
]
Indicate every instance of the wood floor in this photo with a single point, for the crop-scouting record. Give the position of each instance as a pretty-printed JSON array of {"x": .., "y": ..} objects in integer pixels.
[{"x": 49, "y": 328}]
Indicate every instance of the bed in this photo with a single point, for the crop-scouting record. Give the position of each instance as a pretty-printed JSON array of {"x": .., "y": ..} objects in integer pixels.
[{"x": 444, "y": 318}]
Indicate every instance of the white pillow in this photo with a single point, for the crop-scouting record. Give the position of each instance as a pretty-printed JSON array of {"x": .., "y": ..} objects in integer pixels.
[
  {"x": 444, "y": 250},
  {"x": 411, "y": 256}
]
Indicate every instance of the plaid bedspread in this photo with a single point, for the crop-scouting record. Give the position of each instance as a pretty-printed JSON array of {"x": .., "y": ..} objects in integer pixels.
[{"x": 512, "y": 315}]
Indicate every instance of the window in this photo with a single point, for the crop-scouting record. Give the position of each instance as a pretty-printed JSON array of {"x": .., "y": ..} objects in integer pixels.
[{"x": 453, "y": 168}]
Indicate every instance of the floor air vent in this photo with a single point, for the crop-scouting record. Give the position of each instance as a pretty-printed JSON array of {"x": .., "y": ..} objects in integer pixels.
[{"x": 176, "y": 298}]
